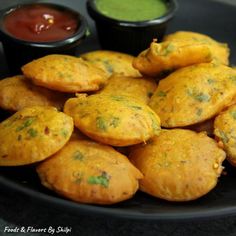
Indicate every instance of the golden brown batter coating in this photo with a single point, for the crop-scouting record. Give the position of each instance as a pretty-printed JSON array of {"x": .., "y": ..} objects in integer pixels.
[
  {"x": 168, "y": 56},
  {"x": 65, "y": 73},
  {"x": 140, "y": 88},
  {"x": 114, "y": 120},
  {"x": 194, "y": 94},
  {"x": 220, "y": 51},
  {"x": 33, "y": 134},
  {"x": 17, "y": 92},
  {"x": 112, "y": 62},
  {"x": 88, "y": 172},
  {"x": 225, "y": 132},
  {"x": 178, "y": 165}
]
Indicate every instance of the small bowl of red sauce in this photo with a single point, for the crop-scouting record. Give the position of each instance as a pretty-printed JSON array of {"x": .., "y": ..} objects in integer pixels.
[{"x": 32, "y": 30}]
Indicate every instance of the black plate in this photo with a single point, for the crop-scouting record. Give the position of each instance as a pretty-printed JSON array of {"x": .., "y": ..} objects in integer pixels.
[{"x": 205, "y": 16}]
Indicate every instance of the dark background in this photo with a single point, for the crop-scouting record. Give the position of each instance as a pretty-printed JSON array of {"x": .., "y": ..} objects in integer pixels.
[{"x": 17, "y": 210}]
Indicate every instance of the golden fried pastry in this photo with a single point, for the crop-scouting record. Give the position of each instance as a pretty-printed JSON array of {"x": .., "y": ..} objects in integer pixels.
[
  {"x": 168, "y": 56},
  {"x": 17, "y": 92},
  {"x": 88, "y": 172},
  {"x": 178, "y": 165},
  {"x": 225, "y": 132},
  {"x": 140, "y": 88},
  {"x": 112, "y": 62},
  {"x": 65, "y": 73},
  {"x": 194, "y": 94},
  {"x": 114, "y": 120},
  {"x": 33, "y": 134},
  {"x": 219, "y": 51}
]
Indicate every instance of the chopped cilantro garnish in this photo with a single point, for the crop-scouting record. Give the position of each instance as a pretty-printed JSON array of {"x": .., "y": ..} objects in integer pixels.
[
  {"x": 118, "y": 98},
  {"x": 64, "y": 133},
  {"x": 136, "y": 107},
  {"x": 77, "y": 155},
  {"x": 168, "y": 49},
  {"x": 199, "y": 96},
  {"x": 26, "y": 123},
  {"x": 223, "y": 136},
  {"x": 233, "y": 114},
  {"x": 155, "y": 125},
  {"x": 101, "y": 123},
  {"x": 199, "y": 111},
  {"x": 32, "y": 132},
  {"x": 103, "y": 179},
  {"x": 108, "y": 66},
  {"x": 115, "y": 121},
  {"x": 210, "y": 81},
  {"x": 161, "y": 94}
]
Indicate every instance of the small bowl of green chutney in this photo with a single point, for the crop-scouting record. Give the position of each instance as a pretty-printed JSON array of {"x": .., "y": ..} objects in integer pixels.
[{"x": 130, "y": 25}]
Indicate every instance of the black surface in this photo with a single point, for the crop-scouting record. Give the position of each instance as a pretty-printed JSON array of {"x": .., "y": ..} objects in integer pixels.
[
  {"x": 214, "y": 19},
  {"x": 19, "y": 52}
]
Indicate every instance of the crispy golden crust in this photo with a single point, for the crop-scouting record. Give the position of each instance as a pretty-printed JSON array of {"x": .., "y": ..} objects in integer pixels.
[
  {"x": 140, "y": 88},
  {"x": 194, "y": 94},
  {"x": 114, "y": 120},
  {"x": 220, "y": 51},
  {"x": 33, "y": 134},
  {"x": 88, "y": 172},
  {"x": 178, "y": 165},
  {"x": 17, "y": 93},
  {"x": 112, "y": 62},
  {"x": 65, "y": 73},
  {"x": 225, "y": 132},
  {"x": 169, "y": 56}
]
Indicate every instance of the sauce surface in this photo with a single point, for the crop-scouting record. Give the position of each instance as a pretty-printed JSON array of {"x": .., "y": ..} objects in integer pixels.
[
  {"x": 132, "y": 10},
  {"x": 40, "y": 23}
]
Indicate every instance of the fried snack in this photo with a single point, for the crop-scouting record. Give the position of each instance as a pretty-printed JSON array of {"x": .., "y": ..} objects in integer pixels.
[
  {"x": 17, "y": 93},
  {"x": 194, "y": 94},
  {"x": 140, "y": 88},
  {"x": 33, "y": 134},
  {"x": 165, "y": 57},
  {"x": 65, "y": 73},
  {"x": 220, "y": 51},
  {"x": 88, "y": 172},
  {"x": 112, "y": 62},
  {"x": 178, "y": 165},
  {"x": 225, "y": 132},
  {"x": 114, "y": 120}
]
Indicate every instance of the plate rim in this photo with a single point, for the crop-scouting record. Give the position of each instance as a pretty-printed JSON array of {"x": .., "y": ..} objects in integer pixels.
[{"x": 100, "y": 210}]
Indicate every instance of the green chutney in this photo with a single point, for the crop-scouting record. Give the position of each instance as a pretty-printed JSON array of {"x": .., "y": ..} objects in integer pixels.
[{"x": 132, "y": 10}]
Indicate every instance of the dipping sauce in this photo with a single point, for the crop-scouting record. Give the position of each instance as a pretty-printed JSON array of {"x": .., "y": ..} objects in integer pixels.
[
  {"x": 132, "y": 10},
  {"x": 41, "y": 23}
]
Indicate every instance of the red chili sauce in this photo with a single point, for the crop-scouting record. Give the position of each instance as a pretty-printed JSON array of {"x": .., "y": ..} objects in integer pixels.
[{"x": 41, "y": 23}]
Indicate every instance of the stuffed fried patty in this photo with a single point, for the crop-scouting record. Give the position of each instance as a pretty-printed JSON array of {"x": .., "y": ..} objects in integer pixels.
[
  {"x": 65, "y": 73},
  {"x": 88, "y": 172},
  {"x": 178, "y": 165},
  {"x": 33, "y": 134},
  {"x": 113, "y": 120},
  {"x": 17, "y": 93},
  {"x": 112, "y": 62},
  {"x": 194, "y": 94}
]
